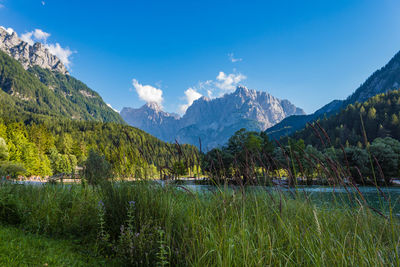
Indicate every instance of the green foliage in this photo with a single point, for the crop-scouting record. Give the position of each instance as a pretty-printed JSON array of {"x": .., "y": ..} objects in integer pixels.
[
  {"x": 358, "y": 162},
  {"x": 217, "y": 163},
  {"x": 11, "y": 169},
  {"x": 245, "y": 160},
  {"x": 178, "y": 169},
  {"x": 244, "y": 152},
  {"x": 380, "y": 121},
  {"x": 96, "y": 168},
  {"x": 47, "y": 147},
  {"x": 386, "y": 153},
  {"x": 3, "y": 150}
]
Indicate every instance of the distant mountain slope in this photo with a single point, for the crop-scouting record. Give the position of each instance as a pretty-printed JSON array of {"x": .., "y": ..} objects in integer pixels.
[
  {"x": 294, "y": 123},
  {"x": 152, "y": 119},
  {"x": 50, "y": 93},
  {"x": 381, "y": 81},
  {"x": 213, "y": 121},
  {"x": 380, "y": 115},
  {"x": 385, "y": 79}
]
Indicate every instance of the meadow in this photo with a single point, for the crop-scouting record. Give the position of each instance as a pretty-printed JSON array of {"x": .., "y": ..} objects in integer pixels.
[{"x": 145, "y": 224}]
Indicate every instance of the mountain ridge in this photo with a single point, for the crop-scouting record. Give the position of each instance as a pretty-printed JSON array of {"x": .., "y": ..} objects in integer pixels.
[
  {"x": 381, "y": 81},
  {"x": 213, "y": 121},
  {"x": 43, "y": 92}
]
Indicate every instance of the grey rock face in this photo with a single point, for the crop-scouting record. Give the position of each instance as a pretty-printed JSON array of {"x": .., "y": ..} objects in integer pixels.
[
  {"x": 213, "y": 121},
  {"x": 29, "y": 55}
]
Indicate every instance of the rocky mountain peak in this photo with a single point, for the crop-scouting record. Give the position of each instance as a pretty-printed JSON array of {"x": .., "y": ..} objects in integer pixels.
[
  {"x": 153, "y": 106},
  {"x": 29, "y": 55},
  {"x": 241, "y": 90},
  {"x": 213, "y": 120},
  {"x": 203, "y": 98}
]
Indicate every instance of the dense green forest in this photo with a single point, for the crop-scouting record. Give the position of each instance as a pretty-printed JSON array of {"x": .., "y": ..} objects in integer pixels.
[
  {"x": 42, "y": 92},
  {"x": 357, "y": 124},
  {"x": 52, "y": 147}
]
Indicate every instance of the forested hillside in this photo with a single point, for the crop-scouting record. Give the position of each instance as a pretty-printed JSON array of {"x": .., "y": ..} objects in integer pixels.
[
  {"x": 47, "y": 147},
  {"x": 39, "y": 91},
  {"x": 377, "y": 117}
]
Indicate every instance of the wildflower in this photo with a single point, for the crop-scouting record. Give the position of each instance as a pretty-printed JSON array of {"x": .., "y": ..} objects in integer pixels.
[
  {"x": 101, "y": 204},
  {"x": 132, "y": 203}
]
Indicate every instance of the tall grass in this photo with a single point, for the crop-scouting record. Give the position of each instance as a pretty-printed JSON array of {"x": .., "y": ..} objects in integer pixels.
[
  {"x": 172, "y": 226},
  {"x": 50, "y": 209}
]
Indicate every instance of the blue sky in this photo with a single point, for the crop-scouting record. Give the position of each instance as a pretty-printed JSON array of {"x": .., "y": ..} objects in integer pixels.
[{"x": 309, "y": 52}]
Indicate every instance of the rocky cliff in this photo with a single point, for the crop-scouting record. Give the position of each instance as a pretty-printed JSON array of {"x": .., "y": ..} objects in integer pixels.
[{"x": 29, "y": 55}]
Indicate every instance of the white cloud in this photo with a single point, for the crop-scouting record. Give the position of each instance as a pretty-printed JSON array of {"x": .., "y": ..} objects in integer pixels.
[
  {"x": 224, "y": 83},
  {"x": 8, "y": 30},
  {"x": 41, "y": 35},
  {"x": 191, "y": 95},
  {"x": 62, "y": 53},
  {"x": 2, "y": 6},
  {"x": 233, "y": 59},
  {"x": 36, "y": 35},
  {"x": 209, "y": 93},
  {"x": 43, "y": 3},
  {"x": 148, "y": 93},
  {"x": 109, "y": 105},
  {"x": 228, "y": 82}
]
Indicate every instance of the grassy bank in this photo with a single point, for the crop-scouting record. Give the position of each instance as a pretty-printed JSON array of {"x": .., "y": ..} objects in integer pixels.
[
  {"x": 145, "y": 224},
  {"x": 18, "y": 248}
]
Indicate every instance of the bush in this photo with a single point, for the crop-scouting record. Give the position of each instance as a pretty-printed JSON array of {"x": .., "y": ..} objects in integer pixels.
[
  {"x": 97, "y": 169},
  {"x": 12, "y": 169},
  {"x": 10, "y": 213}
]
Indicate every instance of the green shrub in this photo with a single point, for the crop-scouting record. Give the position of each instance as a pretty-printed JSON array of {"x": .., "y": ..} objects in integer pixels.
[{"x": 97, "y": 169}]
